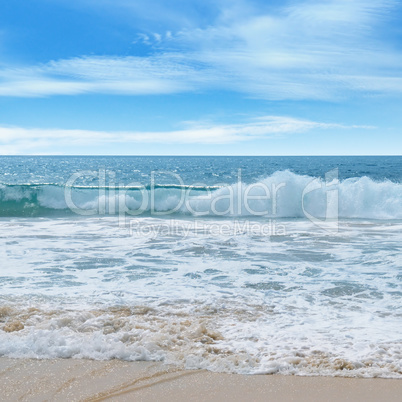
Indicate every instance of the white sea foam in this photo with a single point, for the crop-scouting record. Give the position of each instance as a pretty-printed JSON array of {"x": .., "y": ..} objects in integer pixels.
[
  {"x": 303, "y": 302},
  {"x": 240, "y": 338}
]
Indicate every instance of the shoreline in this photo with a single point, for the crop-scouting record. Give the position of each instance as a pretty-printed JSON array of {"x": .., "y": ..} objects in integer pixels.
[{"x": 115, "y": 380}]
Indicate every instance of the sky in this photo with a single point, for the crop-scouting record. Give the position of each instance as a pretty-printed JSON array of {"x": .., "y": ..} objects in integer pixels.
[{"x": 184, "y": 77}]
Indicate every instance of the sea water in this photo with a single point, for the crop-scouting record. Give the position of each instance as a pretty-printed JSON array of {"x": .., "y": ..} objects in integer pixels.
[{"x": 248, "y": 265}]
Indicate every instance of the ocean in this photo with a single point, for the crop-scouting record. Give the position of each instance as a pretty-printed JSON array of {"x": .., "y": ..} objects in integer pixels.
[{"x": 250, "y": 265}]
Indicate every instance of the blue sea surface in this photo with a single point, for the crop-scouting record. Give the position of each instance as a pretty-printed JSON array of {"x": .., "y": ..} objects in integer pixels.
[{"x": 206, "y": 169}]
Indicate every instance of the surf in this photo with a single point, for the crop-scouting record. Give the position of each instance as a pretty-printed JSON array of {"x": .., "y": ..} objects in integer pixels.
[{"x": 280, "y": 195}]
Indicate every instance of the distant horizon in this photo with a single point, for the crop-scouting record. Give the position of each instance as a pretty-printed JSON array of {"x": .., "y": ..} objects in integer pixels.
[{"x": 206, "y": 156}]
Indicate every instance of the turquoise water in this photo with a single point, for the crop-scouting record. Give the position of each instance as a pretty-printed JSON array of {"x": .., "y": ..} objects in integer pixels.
[{"x": 36, "y": 186}]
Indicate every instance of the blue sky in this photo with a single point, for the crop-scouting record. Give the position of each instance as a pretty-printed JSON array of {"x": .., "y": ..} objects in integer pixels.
[{"x": 183, "y": 77}]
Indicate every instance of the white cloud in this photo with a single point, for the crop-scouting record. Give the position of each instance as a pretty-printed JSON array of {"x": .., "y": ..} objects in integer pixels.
[
  {"x": 310, "y": 50},
  {"x": 19, "y": 140},
  {"x": 123, "y": 75}
]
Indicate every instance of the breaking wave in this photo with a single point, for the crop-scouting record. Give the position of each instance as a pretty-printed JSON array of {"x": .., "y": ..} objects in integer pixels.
[{"x": 282, "y": 195}]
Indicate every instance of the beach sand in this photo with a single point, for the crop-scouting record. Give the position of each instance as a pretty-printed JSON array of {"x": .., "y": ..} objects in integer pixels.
[{"x": 87, "y": 380}]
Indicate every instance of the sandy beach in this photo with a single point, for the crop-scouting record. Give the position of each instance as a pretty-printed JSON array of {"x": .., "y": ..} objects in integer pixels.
[{"x": 87, "y": 380}]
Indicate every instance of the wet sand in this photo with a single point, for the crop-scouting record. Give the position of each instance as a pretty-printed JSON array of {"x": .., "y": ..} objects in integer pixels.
[{"x": 87, "y": 380}]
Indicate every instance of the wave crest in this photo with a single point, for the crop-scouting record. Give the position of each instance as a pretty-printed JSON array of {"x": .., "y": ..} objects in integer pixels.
[{"x": 282, "y": 195}]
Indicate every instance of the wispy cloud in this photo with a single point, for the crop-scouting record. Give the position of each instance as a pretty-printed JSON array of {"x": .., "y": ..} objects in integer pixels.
[
  {"x": 19, "y": 140},
  {"x": 309, "y": 50},
  {"x": 123, "y": 75}
]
